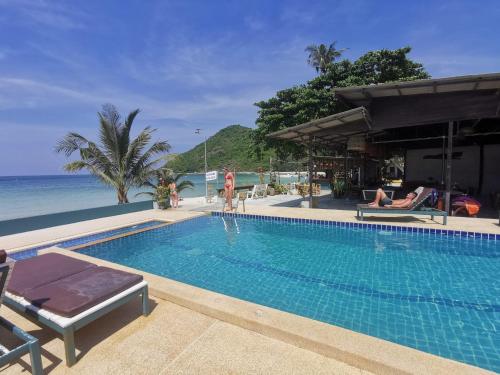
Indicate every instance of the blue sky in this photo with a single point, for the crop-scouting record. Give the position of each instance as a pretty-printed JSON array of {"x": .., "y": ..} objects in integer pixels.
[{"x": 199, "y": 64}]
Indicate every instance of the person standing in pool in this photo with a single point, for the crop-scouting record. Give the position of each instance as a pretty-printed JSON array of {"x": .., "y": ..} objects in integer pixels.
[
  {"x": 228, "y": 188},
  {"x": 382, "y": 200}
]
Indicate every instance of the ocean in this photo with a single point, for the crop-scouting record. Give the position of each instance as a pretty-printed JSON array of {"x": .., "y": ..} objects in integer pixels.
[{"x": 22, "y": 196}]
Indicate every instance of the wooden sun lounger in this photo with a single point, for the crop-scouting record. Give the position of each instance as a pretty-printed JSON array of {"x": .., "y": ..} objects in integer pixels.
[
  {"x": 54, "y": 298},
  {"x": 415, "y": 209}
]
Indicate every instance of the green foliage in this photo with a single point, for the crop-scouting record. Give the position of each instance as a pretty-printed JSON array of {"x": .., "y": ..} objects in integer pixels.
[
  {"x": 162, "y": 196},
  {"x": 116, "y": 160},
  {"x": 338, "y": 186},
  {"x": 229, "y": 147},
  {"x": 160, "y": 188},
  {"x": 314, "y": 99},
  {"x": 279, "y": 188}
]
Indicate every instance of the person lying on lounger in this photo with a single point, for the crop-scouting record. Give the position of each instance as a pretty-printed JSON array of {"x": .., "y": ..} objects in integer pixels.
[{"x": 382, "y": 200}]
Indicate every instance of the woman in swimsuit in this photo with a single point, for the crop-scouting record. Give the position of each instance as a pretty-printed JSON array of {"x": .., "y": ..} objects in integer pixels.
[
  {"x": 228, "y": 188},
  {"x": 174, "y": 196}
]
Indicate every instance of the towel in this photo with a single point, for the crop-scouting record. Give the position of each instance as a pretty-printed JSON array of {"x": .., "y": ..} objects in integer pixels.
[{"x": 471, "y": 205}]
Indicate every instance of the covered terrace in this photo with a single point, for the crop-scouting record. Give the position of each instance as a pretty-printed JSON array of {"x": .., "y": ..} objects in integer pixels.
[{"x": 447, "y": 130}]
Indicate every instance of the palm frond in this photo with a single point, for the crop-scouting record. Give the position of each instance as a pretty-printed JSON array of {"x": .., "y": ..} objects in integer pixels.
[
  {"x": 149, "y": 193},
  {"x": 70, "y": 143},
  {"x": 116, "y": 160},
  {"x": 184, "y": 185}
]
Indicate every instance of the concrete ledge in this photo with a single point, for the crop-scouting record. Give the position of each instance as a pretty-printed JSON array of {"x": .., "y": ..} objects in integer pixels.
[
  {"x": 363, "y": 351},
  {"x": 26, "y": 224}
]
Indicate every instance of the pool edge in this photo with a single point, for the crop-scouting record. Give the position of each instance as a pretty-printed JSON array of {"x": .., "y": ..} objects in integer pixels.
[{"x": 357, "y": 349}]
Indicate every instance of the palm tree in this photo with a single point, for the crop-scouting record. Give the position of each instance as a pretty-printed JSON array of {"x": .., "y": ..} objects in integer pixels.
[
  {"x": 165, "y": 177},
  {"x": 117, "y": 160},
  {"x": 321, "y": 56}
]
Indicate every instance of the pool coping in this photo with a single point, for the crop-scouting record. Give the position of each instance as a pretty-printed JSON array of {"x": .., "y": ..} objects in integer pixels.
[
  {"x": 354, "y": 348},
  {"x": 363, "y": 225},
  {"x": 46, "y": 244}
]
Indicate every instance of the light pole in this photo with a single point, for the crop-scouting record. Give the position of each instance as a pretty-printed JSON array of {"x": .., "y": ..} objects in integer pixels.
[{"x": 198, "y": 131}]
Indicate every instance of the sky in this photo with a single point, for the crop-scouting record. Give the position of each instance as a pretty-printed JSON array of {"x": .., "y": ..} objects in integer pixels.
[{"x": 199, "y": 64}]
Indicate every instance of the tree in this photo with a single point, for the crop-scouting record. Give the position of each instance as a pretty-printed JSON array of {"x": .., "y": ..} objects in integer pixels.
[
  {"x": 164, "y": 177},
  {"x": 320, "y": 57},
  {"x": 116, "y": 160},
  {"x": 314, "y": 99}
]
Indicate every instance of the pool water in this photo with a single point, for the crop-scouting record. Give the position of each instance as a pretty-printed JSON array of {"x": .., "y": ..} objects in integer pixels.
[
  {"x": 436, "y": 293},
  {"x": 33, "y": 251}
]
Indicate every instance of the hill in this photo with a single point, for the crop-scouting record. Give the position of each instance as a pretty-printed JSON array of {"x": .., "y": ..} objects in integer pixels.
[{"x": 228, "y": 147}]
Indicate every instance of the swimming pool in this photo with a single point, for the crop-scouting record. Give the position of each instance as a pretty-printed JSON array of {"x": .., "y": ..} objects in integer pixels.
[
  {"x": 67, "y": 244},
  {"x": 436, "y": 293}
]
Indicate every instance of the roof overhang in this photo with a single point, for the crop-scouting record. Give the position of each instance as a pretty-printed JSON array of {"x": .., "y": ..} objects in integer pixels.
[
  {"x": 362, "y": 95},
  {"x": 328, "y": 130}
]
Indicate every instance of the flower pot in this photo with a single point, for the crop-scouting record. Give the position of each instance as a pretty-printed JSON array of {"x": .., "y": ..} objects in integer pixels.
[{"x": 164, "y": 204}]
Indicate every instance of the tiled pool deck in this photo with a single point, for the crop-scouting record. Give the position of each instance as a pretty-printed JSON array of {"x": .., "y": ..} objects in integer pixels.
[{"x": 194, "y": 331}]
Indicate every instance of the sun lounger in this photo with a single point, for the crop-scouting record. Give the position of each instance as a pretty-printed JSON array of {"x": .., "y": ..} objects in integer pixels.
[
  {"x": 258, "y": 191},
  {"x": 65, "y": 294},
  {"x": 30, "y": 344},
  {"x": 414, "y": 209}
]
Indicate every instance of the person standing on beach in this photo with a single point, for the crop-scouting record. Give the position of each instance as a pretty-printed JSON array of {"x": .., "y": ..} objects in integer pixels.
[
  {"x": 174, "y": 195},
  {"x": 228, "y": 188}
]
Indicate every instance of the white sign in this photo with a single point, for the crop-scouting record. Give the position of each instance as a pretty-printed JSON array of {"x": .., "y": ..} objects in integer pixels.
[{"x": 211, "y": 176}]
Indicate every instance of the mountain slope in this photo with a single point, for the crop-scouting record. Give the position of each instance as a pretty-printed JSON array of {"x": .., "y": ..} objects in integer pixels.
[{"x": 228, "y": 147}]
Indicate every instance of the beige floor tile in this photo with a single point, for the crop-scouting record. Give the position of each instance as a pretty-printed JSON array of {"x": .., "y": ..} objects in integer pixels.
[
  {"x": 227, "y": 349},
  {"x": 122, "y": 342}
]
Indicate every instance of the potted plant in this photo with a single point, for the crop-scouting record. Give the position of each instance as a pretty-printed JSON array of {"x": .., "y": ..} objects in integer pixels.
[
  {"x": 160, "y": 189},
  {"x": 162, "y": 197},
  {"x": 338, "y": 187}
]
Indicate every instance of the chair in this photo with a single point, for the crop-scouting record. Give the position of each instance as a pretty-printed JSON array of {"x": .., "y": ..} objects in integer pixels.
[
  {"x": 414, "y": 209},
  {"x": 258, "y": 191},
  {"x": 31, "y": 344},
  {"x": 241, "y": 197},
  {"x": 65, "y": 293},
  {"x": 316, "y": 188}
]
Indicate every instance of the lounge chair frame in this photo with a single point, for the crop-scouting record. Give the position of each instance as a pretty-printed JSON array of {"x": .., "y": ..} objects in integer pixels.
[
  {"x": 415, "y": 210},
  {"x": 432, "y": 212},
  {"x": 31, "y": 344},
  {"x": 68, "y": 330}
]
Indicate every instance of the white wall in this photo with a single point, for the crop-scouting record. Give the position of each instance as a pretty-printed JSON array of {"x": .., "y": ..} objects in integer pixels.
[
  {"x": 465, "y": 171},
  {"x": 491, "y": 177}
]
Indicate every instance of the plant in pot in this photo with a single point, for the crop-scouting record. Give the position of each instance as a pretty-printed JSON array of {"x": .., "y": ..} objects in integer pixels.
[
  {"x": 162, "y": 197},
  {"x": 338, "y": 187},
  {"x": 161, "y": 188}
]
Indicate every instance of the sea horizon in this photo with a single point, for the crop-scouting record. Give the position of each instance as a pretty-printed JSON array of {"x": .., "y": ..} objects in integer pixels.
[{"x": 32, "y": 195}]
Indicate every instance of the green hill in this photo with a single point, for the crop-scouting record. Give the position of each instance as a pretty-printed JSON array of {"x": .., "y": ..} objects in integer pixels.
[{"x": 228, "y": 147}]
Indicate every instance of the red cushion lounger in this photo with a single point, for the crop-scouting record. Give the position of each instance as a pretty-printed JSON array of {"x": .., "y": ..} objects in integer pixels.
[
  {"x": 43, "y": 269},
  {"x": 29, "y": 343},
  {"x": 66, "y": 294}
]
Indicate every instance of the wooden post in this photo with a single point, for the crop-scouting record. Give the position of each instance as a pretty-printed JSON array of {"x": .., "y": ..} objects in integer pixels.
[
  {"x": 309, "y": 148},
  {"x": 481, "y": 170},
  {"x": 345, "y": 165},
  {"x": 449, "y": 157},
  {"x": 443, "y": 164}
]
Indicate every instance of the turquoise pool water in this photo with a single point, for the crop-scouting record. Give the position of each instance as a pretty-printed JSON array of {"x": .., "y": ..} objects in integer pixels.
[{"x": 436, "y": 293}]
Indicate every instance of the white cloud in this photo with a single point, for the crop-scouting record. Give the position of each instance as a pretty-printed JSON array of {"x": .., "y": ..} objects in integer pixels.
[
  {"x": 61, "y": 15},
  {"x": 22, "y": 93}
]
